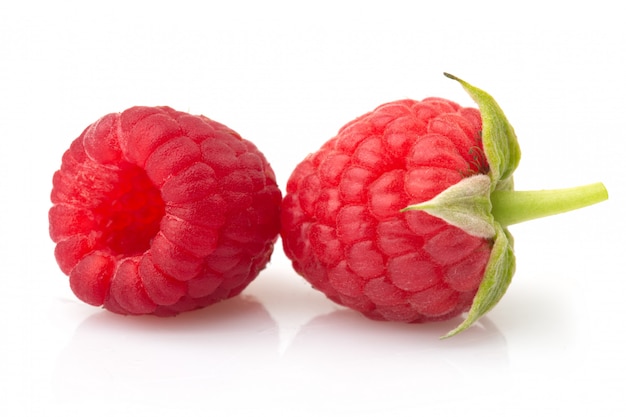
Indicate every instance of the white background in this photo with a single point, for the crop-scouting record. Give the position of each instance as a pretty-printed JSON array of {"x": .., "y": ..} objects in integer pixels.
[{"x": 287, "y": 75}]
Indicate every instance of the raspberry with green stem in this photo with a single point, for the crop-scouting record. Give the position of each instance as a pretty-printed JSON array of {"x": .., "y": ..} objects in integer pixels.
[{"x": 403, "y": 215}]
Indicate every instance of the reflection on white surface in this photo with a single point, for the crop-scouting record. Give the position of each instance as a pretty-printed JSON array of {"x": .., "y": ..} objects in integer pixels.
[
  {"x": 390, "y": 367},
  {"x": 149, "y": 359},
  {"x": 230, "y": 355}
]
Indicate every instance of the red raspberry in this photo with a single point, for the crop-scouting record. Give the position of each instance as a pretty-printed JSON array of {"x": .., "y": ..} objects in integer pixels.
[
  {"x": 156, "y": 211},
  {"x": 342, "y": 224},
  {"x": 403, "y": 215}
]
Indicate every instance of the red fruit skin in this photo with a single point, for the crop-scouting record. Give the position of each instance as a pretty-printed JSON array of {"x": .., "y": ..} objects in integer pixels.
[
  {"x": 157, "y": 212},
  {"x": 343, "y": 229}
]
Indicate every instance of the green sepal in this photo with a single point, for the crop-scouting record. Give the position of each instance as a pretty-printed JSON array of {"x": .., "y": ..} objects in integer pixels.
[
  {"x": 503, "y": 155},
  {"x": 498, "y": 275},
  {"x": 499, "y": 140},
  {"x": 466, "y": 205}
]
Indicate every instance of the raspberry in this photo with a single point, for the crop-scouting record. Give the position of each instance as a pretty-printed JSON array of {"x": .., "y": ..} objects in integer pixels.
[
  {"x": 157, "y": 211},
  {"x": 402, "y": 215},
  {"x": 342, "y": 224}
]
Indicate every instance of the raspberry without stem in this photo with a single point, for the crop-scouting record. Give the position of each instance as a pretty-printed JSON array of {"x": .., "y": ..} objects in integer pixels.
[{"x": 157, "y": 212}]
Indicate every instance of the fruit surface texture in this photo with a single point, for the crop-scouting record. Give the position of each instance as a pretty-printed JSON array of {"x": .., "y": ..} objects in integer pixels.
[
  {"x": 157, "y": 211},
  {"x": 343, "y": 227}
]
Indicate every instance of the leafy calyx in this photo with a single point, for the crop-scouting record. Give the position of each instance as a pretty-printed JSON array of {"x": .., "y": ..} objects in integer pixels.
[{"x": 484, "y": 205}]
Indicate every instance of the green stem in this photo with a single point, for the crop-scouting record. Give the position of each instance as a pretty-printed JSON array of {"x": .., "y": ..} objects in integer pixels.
[{"x": 511, "y": 207}]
